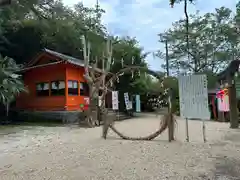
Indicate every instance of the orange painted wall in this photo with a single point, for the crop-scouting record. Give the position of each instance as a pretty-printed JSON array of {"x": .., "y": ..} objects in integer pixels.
[
  {"x": 29, "y": 101},
  {"x": 75, "y": 73}
]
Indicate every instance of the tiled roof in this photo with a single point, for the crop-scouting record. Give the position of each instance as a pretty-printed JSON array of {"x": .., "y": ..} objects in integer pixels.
[
  {"x": 67, "y": 58},
  {"x": 63, "y": 57}
]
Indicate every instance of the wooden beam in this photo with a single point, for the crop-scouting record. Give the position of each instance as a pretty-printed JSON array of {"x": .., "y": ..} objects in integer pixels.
[
  {"x": 41, "y": 65},
  {"x": 234, "y": 122}
]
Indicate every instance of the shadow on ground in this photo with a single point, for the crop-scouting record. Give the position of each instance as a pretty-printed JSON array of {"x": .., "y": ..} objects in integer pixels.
[{"x": 227, "y": 168}]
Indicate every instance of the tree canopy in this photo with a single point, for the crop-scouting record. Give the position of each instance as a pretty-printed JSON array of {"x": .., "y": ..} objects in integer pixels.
[{"x": 213, "y": 42}]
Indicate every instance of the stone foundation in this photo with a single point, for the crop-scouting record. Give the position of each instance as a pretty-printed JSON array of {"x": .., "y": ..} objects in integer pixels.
[
  {"x": 60, "y": 116},
  {"x": 51, "y": 116}
]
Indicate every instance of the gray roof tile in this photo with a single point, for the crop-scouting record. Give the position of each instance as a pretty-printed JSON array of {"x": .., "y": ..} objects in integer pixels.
[{"x": 67, "y": 58}]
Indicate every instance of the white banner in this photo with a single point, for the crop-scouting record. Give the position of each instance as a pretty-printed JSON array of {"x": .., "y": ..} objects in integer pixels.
[
  {"x": 138, "y": 103},
  {"x": 115, "y": 100},
  {"x": 126, "y": 99},
  {"x": 99, "y": 101},
  {"x": 223, "y": 103},
  {"x": 86, "y": 99},
  {"x": 130, "y": 104}
]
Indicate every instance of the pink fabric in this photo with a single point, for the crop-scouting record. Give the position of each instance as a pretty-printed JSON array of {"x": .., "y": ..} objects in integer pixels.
[{"x": 223, "y": 103}]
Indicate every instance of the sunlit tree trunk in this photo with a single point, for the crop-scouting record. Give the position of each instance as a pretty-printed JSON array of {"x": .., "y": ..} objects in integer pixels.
[{"x": 94, "y": 83}]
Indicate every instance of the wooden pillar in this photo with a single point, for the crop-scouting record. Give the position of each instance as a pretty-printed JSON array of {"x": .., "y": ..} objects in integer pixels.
[
  {"x": 232, "y": 103},
  {"x": 221, "y": 116},
  {"x": 66, "y": 89}
]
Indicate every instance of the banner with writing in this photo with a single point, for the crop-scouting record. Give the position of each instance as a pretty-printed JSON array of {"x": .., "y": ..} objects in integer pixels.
[
  {"x": 126, "y": 99},
  {"x": 130, "y": 104},
  {"x": 138, "y": 103},
  {"x": 115, "y": 100}
]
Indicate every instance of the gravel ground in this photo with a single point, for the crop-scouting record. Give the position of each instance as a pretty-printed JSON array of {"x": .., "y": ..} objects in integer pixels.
[{"x": 71, "y": 153}]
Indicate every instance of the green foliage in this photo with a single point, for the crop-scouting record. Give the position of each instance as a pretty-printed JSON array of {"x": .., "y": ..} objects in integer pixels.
[
  {"x": 147, "y": 84},
  {"x": 173, "y": 2},
  {"x": 10, "y": 82},
  {"x": 213, "y": 42}
]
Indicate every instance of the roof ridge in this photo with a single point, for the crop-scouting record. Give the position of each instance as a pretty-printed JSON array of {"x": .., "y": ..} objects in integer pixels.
[
  {"x": 55, "y": 52},
  {"x": 65, "y": 57}
]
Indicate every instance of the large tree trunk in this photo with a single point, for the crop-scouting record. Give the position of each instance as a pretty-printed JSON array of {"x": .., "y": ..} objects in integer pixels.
[
  {"x": 104, "y": 115},
  {"x": 93, "y": 106},
  {"x": 106, "y": 122},
  {"x": 91, "y": 114},
  {"x": 170, "y": 119},
  {"x": 234, "y": 122}
]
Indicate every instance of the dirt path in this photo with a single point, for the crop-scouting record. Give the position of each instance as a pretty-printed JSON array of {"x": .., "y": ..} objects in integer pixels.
[{"x": 60, "y": 153}]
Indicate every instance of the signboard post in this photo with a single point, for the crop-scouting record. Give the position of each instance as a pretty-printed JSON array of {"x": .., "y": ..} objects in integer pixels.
[{"x": 193, "y": 97}]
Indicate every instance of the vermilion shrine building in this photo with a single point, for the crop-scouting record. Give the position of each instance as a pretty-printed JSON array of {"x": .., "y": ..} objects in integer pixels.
[{"x": 55, "y": 82}]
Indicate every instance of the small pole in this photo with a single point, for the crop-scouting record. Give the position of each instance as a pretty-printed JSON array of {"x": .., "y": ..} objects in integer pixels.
[
  {"x": 204, "y": 130},
  {"x": 187, "y": 133},
  {"x": 118, "y": 111},
  {"x": 170, "y": 123},
  {"x": 167, "y": 58}
]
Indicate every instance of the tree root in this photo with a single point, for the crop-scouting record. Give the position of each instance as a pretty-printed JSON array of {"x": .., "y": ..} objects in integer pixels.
[
  {"x": 169, "y": 118},
  {"x": 90, "y": 120}
]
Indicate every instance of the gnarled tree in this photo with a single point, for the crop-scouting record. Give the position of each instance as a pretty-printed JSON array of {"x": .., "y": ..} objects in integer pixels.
[{"x": 95, "y": 78}]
